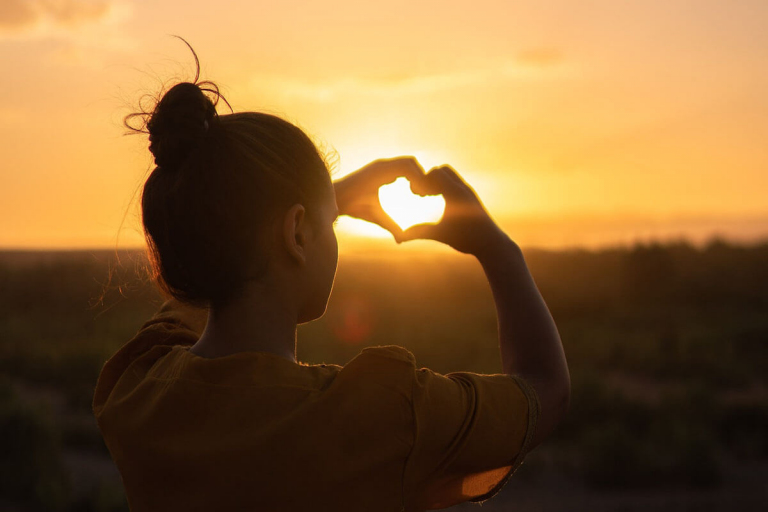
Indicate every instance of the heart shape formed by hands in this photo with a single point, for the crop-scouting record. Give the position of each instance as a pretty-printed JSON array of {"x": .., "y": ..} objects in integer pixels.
[{"x": 408, "y": 209}]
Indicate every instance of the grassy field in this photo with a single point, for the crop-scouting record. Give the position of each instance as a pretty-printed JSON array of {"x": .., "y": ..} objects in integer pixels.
[{"x": 667, "y": 345}]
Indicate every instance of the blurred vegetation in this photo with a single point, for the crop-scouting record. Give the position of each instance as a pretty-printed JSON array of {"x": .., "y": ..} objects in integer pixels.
[
  {"x": 31, "y": 471},
  {"x": 667, "y": 345}
]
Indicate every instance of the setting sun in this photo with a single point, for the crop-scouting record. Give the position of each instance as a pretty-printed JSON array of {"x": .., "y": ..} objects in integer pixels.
[{"x": 408, "y": 209}]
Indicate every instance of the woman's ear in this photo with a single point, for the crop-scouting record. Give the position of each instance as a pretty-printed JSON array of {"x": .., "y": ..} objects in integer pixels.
[{"x": 295, "y": 233}]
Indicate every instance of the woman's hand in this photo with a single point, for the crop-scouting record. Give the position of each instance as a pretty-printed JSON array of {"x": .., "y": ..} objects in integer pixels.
[
  {"x": 357, "y": 194},
  {"x": 466, "y": 225}
]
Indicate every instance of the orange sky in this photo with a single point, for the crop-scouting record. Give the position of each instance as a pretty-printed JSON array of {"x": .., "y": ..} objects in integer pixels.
[{"x": 579, "y": 123}]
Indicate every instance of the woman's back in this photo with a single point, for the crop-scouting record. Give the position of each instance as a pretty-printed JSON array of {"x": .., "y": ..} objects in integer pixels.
[{"x": 256, "y": 431}]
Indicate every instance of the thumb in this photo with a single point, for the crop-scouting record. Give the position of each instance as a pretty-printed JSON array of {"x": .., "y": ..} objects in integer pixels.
[
  {"x": 419, "y": 231},
  {"x": 380, "y": 217}
]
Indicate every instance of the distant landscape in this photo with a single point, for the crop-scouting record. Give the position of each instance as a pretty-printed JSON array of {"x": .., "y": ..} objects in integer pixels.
[{"x": 667, "y": 346}]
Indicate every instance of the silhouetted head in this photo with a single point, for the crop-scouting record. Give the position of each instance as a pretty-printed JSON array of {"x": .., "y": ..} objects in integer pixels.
[{"x": 234, "y": 199}]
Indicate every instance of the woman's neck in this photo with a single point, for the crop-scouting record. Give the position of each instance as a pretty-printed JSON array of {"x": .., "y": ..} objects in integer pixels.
[{"x": 260, "y": 320}]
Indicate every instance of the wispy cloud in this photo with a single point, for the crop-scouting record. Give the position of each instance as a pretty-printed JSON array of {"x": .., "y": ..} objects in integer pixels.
[
  {"x": 542, "y": 57},
  {"x": 43, "y": 18},
  {"x": 84, "y": 31},
  {"x": 322, "y": 91},
  {"x": 530, "y": 64}
]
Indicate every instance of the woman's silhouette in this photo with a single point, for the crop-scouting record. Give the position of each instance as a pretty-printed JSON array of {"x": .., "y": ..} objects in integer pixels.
[{"x": 206, "y": 408}]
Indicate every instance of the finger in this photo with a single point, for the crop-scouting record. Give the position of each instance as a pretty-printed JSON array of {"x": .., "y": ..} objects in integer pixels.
[
  {"x": 419, "y": 231},
  {"x": 385, "y": 221},
  {"x": 430, "y": 184},
  {"x": 451, "y": 173},
  {"x": 437, "y": 181},
  {"x": 455, "y": 185},
  {"x": 400, "y": 167}
]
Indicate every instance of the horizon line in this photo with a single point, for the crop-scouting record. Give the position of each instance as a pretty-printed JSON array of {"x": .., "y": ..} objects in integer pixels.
[{"x": 389, "y": 246}]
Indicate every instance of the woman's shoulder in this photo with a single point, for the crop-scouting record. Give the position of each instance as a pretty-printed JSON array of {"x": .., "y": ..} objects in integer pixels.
[
  {"x": 389, "y": 352},
  {"x": 378, "y": 368}
]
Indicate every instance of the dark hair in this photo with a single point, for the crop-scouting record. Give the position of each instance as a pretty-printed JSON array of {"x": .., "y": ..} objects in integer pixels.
[{"x": 218, "y": 183}]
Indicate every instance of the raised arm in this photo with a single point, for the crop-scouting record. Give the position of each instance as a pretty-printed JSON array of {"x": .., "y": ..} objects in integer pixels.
[{"x": 529, "y": 341}]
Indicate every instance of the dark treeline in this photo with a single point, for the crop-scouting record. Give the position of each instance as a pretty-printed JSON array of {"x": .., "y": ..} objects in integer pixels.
[{"x": 667, "y": 344}]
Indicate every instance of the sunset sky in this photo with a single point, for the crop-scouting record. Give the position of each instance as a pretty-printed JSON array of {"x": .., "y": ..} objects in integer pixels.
[{"x": 578, "y": 123}]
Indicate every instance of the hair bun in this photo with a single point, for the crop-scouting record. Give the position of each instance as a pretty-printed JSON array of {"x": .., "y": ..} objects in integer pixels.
[{"x": 178, "y": 123}]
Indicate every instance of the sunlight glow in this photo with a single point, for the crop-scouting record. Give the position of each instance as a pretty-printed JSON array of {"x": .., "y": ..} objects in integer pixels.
[
  {"x": 566, "y": 140},
  {"x": 408, "y": 209},
  {"x": 348, "y": 226}
]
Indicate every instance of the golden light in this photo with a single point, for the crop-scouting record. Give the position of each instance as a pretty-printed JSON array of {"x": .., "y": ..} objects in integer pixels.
[
  {"x": 408, "y": 209},
  {"x": 354, "y": 154},
  {"x": 355, "y": 228}
]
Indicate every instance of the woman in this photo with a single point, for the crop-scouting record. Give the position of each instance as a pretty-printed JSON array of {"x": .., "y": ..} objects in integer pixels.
[{"x": 207, "y": 408}]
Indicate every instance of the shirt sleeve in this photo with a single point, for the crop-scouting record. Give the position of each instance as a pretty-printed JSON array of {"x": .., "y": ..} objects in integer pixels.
[
  {"x": 175, "y": 323},
  {"x": 472, "y": 432}
]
